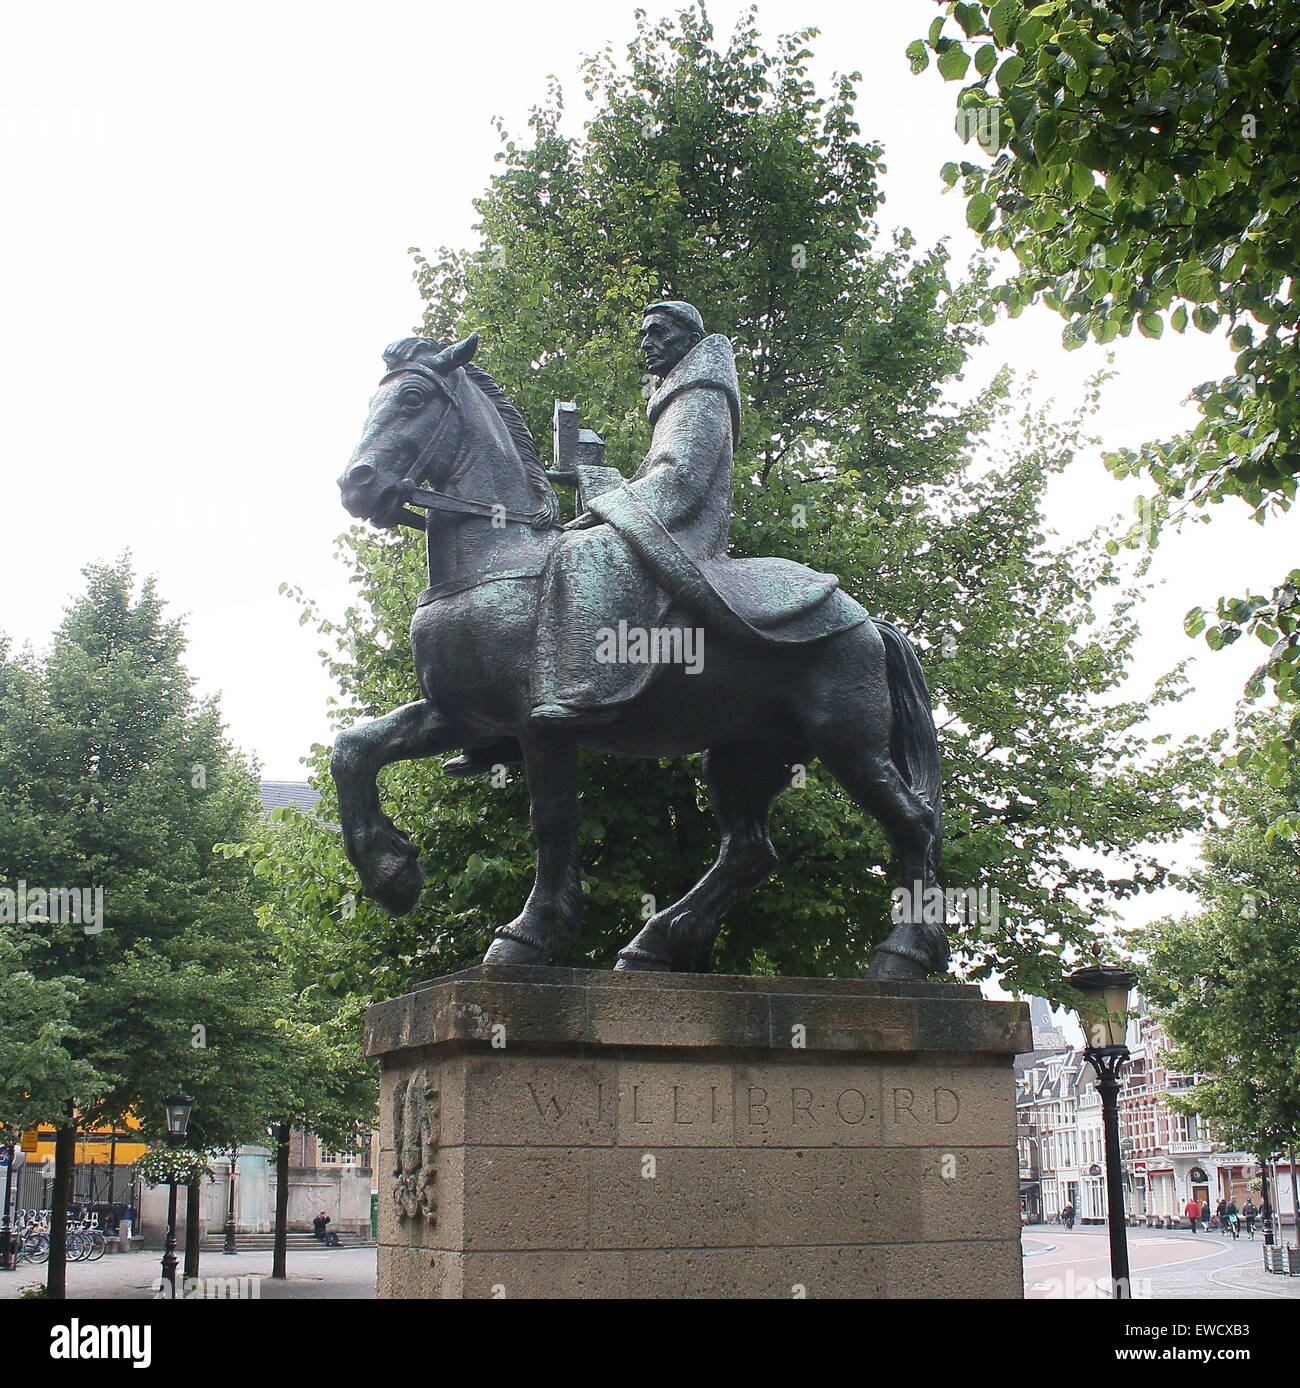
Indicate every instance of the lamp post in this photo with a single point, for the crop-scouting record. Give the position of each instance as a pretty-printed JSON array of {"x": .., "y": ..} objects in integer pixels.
[
  {"x": 1268, "y": 1203},
  {"x": 178, "y": 1108},
  {"x": 1104, "y": 1017},
  {"x": 230, "y": 1205},
  {"x": 6, "y": 1232}
]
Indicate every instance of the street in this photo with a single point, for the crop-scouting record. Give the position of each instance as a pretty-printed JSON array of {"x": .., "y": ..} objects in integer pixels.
[
  {"x": 1059, "y": 1264},
  {"x": 338, "y": 1273},
  {"x": 1067, "y": 1264}
]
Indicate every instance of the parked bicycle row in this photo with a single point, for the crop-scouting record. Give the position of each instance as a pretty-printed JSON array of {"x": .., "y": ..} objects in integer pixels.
[{"x": 30, "y": 1236}]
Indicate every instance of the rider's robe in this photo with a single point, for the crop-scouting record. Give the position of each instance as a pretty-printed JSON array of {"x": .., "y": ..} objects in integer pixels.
[{"x": 663, "y": 540}]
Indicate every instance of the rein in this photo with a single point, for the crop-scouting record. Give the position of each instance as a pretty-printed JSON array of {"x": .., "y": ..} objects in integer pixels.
[{"x": 412, "y": 493}]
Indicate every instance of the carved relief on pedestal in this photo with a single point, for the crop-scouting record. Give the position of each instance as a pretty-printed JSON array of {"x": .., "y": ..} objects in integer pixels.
[{"x": 416, "y": 1125}]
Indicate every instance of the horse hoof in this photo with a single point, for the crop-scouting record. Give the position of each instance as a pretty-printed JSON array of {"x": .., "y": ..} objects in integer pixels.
[
  {"x": 690, "y": 941},
  {"x": 888, "y": 967},
  {"x": 505, "y": 949},
  {"x": 631, "y": 960},
  {"x": 399, "y": 889}
]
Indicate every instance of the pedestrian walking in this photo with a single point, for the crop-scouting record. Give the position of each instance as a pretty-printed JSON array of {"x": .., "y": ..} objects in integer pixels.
[
  {"x": 1221, "y": 1214},
  {"x": 1205, "y": 1214},
  {"x": 1067, "y": 1215},
  {"x": 1193, "y": 1212}
]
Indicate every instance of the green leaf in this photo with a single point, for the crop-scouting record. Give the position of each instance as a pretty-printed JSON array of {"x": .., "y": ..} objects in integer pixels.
[
  {"x": 1193, "y": 280},
  {"x": 970, "y": 17},
  {"x": 953, "y": 64},
  {"x": 986, "y": 59},
  {"x": 1009, "y": 73},
  {"x": 979, "y": 211},
  {"x": 1002, "y": 18},
  {"x": 919, "y": 58}
]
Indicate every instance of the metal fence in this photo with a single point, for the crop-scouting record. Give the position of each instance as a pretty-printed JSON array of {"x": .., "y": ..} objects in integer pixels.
[{"x": 113, "y": 1193}]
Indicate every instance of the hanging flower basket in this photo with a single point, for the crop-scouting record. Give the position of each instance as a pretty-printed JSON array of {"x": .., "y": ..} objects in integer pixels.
[{"x": 161, "y": 1165}]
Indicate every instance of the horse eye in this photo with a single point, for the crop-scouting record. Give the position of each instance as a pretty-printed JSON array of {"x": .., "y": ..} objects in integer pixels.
[{"x": 411, "y": 399}]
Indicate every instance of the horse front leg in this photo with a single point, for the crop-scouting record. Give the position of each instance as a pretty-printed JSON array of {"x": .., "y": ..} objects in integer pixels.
[
  {"x": 386, "y": 860},
  {"x": 552, "y": 915}
]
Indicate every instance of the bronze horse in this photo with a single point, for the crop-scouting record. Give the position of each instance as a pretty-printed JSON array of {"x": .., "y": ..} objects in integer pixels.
[{"x": 441, "y": 435}]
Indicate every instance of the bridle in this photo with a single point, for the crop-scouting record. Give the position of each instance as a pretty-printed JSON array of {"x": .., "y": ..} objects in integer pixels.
[{"x": 410, "y": 489}]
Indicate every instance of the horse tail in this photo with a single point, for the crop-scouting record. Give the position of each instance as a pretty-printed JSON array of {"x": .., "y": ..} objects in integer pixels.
[{"x": 913, "y": 743}]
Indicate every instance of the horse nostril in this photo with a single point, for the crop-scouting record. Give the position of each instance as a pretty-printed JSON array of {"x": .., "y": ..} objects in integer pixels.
[{"x": 361, "y": 475}]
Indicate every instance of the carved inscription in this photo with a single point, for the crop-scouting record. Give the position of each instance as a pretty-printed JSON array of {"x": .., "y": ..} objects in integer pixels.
[
  {"x": 937, "y": 1105},
  {"x": 753, "y": 1105},
  {"x": 798, "y": 1105},
  {"x": 417, "y": 1122}
]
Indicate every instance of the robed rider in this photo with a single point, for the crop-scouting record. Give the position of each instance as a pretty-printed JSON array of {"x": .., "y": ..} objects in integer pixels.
[
  {"x": 676, "y": 508},
  {"x": 660, "y": 537}
]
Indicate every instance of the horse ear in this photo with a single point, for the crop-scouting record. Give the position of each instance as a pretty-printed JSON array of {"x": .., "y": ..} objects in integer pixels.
[{"x": 456, "y": 355}]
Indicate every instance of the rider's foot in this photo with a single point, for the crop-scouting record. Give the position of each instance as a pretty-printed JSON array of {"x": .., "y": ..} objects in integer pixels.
[
  {"x": 562, "y": 715},
  {"x": 478, "y": 761}
]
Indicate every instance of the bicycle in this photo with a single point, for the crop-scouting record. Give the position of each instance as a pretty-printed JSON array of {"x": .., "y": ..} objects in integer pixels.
[
  {"x": 30, "y": 1247},
  {"x": 85, "y": 1243},
  {"x": 30, "y": 1236}
]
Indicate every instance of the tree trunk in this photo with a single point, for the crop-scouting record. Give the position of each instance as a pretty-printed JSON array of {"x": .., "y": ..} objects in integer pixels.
[
  {"x": 65, "y": 1156},
  {"x": 278, "y": 1260},
  {"x": 193, "y": 1230}
]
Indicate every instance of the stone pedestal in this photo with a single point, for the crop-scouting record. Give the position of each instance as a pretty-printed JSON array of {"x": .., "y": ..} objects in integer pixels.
[{"x": 580, "y": 1133}]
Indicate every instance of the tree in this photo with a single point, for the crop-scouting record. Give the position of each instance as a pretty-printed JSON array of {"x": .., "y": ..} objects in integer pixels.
[
  {"x": 1146, "y": 172},
  {"x": 330, "y": 1091},
  {"x": 38, "y": 1071},
  {"x": 716, "y": 173},
  {"x": 119, "y": 785},
  {"x": 1223, "y": 978}
]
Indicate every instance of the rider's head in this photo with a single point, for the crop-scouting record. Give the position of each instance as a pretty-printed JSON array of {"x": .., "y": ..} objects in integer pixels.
[{"x": 668, "y": 331}]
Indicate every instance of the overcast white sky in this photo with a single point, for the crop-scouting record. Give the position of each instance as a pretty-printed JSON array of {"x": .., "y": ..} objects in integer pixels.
[{"x": 210, "y": 209}]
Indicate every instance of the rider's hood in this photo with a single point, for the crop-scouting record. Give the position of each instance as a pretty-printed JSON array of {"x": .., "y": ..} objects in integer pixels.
[{"x": 709, "y": 363}]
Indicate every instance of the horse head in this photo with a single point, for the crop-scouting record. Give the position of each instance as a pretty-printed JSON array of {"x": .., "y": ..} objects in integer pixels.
[
  {"x": 436, "y": 418},
  {"x": 412, "y": 414}
]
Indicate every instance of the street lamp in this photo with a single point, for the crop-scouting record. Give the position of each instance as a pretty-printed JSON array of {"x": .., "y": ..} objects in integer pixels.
[
  {"x": 1269, "y": 1240},
  {"x": 1103, "y": 1014},
  {"x": 14, "y": 1159},
  {"x": 230, "y": 1205},
  {"x": 178, "y": 1108}
]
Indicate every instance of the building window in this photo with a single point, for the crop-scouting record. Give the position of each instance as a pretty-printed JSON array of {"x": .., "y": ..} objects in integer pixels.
[{"x": 350, "y": 1156}]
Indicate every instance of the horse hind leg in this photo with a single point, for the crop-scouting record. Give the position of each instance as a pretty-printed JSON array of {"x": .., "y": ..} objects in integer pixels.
[
  {"x": 918, "y": 945},
  {"x": 743, "y": 781}
]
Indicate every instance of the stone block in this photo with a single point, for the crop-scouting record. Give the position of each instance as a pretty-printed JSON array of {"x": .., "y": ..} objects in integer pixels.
[{"x": 571, "y": 1133}]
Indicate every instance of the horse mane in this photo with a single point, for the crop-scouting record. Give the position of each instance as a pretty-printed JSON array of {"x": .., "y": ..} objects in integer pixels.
[{"x": 415, "y": 348}]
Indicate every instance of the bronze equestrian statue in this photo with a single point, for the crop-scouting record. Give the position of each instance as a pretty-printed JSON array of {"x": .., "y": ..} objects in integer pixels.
[{"x": 534, "y": 639}]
